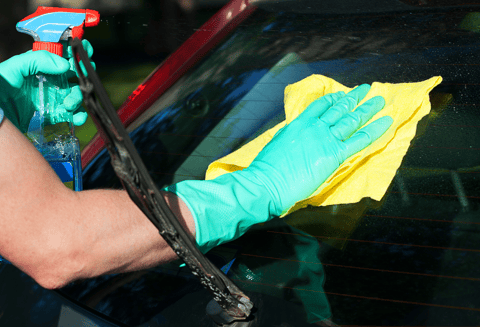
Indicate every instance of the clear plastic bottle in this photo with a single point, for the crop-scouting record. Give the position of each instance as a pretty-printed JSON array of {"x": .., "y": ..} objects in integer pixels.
[{"x": 51, "y": 128}]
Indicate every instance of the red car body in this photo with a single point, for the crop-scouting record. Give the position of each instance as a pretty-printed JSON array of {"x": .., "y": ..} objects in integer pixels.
[{"x": 167, "y": 73}]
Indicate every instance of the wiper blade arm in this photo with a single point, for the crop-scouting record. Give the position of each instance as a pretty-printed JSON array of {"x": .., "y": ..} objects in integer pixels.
[{"x": 135, "y": 178}]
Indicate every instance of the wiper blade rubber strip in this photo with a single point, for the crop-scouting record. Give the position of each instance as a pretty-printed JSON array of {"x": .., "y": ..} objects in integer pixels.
[{"x": 135, "y": 178}]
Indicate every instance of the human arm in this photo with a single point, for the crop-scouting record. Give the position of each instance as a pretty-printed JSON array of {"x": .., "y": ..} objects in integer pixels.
[
  {"x": 48, "y": 231},
  {"x": 56, "y": 235}
]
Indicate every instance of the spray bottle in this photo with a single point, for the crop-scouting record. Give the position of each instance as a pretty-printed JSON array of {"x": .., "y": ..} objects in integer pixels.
[{"x": 51, "y": 129}]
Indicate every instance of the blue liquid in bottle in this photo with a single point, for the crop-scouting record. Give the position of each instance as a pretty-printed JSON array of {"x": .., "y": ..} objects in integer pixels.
[{"x": 63, "y": 155}]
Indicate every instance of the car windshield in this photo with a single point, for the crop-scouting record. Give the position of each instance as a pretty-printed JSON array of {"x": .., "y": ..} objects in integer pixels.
[{"x": 410, "y": 259}]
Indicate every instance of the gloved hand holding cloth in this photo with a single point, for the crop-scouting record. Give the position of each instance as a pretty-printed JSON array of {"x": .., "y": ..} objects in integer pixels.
[{"x": 299, "y": 158}]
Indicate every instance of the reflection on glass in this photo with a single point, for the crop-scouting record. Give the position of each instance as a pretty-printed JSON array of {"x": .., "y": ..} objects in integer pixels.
[{"x": 411, "y": 258}]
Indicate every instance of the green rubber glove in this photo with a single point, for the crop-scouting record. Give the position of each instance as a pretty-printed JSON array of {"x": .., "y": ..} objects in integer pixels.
[
  {"x": 299, "y": 158},
  {"x": 15, "y": 70}
]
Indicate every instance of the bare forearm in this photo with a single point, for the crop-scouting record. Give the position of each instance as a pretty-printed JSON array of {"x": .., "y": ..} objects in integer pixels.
[
  {"x": 118, "y": 237},
  {"x": 56, "y": 235}
]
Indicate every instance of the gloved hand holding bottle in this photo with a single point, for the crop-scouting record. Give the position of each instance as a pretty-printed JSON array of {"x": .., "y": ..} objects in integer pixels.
[
  {"x": 21, "y": 100},
  {"x": 299, "y": 158},
  {"x": 15, "y": 71}
]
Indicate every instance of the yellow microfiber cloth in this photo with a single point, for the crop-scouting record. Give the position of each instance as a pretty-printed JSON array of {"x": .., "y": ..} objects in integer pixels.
[{"x": 365, "y": 174}]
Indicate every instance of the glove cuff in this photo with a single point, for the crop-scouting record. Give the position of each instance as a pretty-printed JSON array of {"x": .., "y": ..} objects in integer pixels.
[{"x": 224, "y": 208}]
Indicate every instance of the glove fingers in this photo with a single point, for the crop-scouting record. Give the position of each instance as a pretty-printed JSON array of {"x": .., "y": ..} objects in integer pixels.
[
  {"x": 335, "y": 113},
  {"x": 68, "y": 53},
  {"x": 319, "y": 106},
  {"x": 345, "y": 105},
  {"x": 80, "y": 117},
  {"x": 41, "y": 61},
  {"x": 352, "y": 121},
  {"x": 73, "y": 70},
  {"x": 62, "y": 115},
  {"x": 359, "y": 92},
  {"x": 367, "y": 135},
  {"x": 74, "y": 100}
]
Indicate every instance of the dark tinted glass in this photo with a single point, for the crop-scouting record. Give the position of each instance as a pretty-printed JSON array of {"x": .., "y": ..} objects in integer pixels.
[{"x": 410, "y": 259}]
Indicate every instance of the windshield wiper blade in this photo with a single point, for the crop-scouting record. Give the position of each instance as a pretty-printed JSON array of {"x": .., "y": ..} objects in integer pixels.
[{"x": 135, "y": 178}]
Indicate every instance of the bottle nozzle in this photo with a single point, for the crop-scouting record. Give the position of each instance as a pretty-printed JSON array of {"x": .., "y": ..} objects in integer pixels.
[{"x": 49, "y": 25}]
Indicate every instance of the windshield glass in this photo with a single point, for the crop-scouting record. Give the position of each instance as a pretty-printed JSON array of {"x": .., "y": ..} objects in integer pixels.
[{"x": 411, "y": 258}]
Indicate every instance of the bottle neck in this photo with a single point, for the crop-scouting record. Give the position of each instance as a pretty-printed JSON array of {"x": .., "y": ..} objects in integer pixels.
[{"x": 53, "y": 47}]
